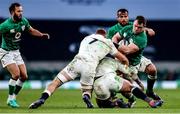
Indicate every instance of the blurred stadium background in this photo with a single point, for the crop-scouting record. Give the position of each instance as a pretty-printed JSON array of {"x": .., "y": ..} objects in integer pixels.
[{"x": 68, "y": 21}]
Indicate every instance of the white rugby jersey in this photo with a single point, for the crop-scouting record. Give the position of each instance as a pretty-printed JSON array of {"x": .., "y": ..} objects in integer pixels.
[
  {"x": 95, "y": 47},
  {"x": 110, "y": 65}
]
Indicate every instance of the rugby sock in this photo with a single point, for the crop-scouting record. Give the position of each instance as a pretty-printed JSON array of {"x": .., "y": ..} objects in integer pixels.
[
  {"x": 45, "y": 95},
  {"x": 139, "y": 94},
  {"x": 128, "y": 95},
  {"x": 18, "y": 87},
  {"x": 12, "y": 83},
  {"x": 150, "y": 83}
]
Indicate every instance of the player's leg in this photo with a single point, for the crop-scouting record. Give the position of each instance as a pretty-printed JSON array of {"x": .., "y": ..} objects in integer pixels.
[
  {"x": 20, "y": 81},
  {"x": 128, "y": 87},
  {"x": 86, "y": 80},
  {"x": 47, "y": 93},
  {"x": 128, "y": 95},
  {"x": 15, "y": 73},
  {"x": 9, "y": 62},
  {"x": 105, "y": 89},
  {"x": 152, "y": 76},
  {"x": 139, "y": 94},
  {"x": 62, "y": 77},
  {"x": 87, "y": 95},
  {"x": 150, "y": 69},
  {"x": 23, "y": 73},
  {"x": 103, "y": 94},
  {"x": 131, "y": 98}
]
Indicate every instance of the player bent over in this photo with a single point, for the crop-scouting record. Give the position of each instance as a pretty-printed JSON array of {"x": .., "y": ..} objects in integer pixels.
[{"x": 107, "y": 83}]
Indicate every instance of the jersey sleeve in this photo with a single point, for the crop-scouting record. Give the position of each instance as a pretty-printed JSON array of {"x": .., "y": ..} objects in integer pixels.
[
  {"x": 27, "y": 25},
  {"x": 113, "y": 49},
  {"x": 110, "y": 33},
  {"x": 3, "y": 28},
  {"x": 141, "y": 41}
]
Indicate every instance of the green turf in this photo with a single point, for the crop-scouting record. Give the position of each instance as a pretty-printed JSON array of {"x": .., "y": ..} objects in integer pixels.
[{"x": 69, "y": 101}]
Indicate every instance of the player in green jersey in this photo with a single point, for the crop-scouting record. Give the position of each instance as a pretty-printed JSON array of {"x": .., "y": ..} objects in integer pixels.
[
  {"x": 123, "y": 20},
  {"x": 133, "y": 40},
  {"x": 146, "y": 64},
  {"x": 11, "y": 30}
]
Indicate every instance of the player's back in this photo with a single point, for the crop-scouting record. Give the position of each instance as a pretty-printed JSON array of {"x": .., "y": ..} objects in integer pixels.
[
  {"x": 110, "y": 65},
  {"x": 95, "y": 47},
  {"x": 107, "y": 65}
]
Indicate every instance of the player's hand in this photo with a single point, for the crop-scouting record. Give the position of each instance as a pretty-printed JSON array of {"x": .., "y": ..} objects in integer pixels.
[{"x": 45, "y": 36}]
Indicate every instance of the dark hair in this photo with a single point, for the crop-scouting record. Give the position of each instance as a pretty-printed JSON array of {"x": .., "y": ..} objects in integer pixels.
[
  {"x": 12, "y": 6},
  {"x": 122, "y": 10},
  {"x": 141, "y": 20},
  {"x": 101, "y": 31}
]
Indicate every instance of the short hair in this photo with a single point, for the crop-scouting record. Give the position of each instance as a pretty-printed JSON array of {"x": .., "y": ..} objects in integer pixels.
[
  {"x": 101, "y": 31},
  {"x": 122, "y": 10},
  {"x": 141, "y": 20},
  {"x": 13, "y": 5}
]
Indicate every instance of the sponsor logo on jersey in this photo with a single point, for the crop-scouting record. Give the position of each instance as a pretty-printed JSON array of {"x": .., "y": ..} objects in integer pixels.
[
  {"x": 12, "y": 31},
  {"x": 23, "y": 27}
]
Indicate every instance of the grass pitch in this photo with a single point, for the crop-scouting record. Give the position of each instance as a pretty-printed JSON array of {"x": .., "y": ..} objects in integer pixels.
[{"x": 70, "y": 101}]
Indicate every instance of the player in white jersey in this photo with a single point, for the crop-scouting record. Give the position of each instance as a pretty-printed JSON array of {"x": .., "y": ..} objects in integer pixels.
[
  {"x": 107, "y": 83},
  {"x": 92, "y": 49}
]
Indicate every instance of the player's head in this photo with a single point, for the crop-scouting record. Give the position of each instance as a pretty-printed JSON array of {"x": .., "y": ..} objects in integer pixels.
[
  {"x": 16, "y": 11},
  {"x": 139, "y": 24},
  {"x": 101, "y": 31},
  {"x": 122, "y": 16}
]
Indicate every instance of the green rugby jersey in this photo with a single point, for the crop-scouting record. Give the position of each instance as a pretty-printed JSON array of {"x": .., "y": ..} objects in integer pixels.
[
  {"x": 11, "y": 33},
  {"x": 138, "y": 39},
  {"x": 116, "y": 28}
]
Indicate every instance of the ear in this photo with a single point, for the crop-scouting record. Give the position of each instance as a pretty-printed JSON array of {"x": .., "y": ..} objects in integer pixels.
[{"x": 12, "y": 12}]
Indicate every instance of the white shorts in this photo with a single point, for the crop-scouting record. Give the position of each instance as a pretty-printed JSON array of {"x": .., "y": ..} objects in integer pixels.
[
  {"x": 9, "y": 57},
  {"x": 80, "y": 67},
  {"x": 105, "y": 85},
  {"x": 144, "y": 63}
]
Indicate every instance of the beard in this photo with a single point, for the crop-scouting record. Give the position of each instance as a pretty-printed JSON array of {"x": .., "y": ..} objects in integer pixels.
[{"x": 17, "y": 18}]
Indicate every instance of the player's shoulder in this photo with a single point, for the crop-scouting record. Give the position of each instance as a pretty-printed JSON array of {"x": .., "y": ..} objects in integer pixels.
[
  {"x": 143, "y": 34},
  {"x": 6, "y": 22},
  {"x": 24, "y": 19},
  {"x": 116, "y": 26},
  {"x": 128, "y": 26},
  {"x": 130, "y": 23}
]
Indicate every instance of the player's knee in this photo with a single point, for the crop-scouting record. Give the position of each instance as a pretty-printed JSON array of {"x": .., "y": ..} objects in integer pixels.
[
  {"x": 23, "y": 78},
  {"x": 63, "y": 77},
  {"x": 151, "y": 70},
  {"x": 16, "y": 76}
]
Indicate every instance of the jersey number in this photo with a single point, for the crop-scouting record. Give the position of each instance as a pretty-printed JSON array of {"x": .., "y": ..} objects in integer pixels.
[{"x": 94, "y": 40}]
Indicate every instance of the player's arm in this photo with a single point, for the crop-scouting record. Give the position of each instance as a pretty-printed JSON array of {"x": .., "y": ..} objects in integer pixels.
[
  {"x": 149, "y": 31},
  {"x": 131, "y": 48},
  {"x": 37, "y": 33},
  {"x": 122, "y": 58},
  {"x": 116, "y": 38}
]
